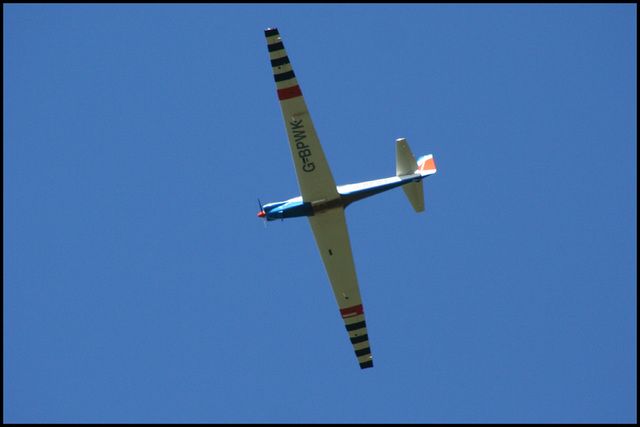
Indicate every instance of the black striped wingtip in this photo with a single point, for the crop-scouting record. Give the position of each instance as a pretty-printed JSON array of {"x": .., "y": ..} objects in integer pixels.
[
  {"x": 367, "y": 364},
  {"x": 271, "y": 32}
]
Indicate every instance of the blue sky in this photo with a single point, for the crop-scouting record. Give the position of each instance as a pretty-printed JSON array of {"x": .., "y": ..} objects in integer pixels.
[{"x": 139, "y": 285}]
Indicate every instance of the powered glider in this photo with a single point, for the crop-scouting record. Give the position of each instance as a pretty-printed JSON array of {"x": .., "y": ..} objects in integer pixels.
[{"x": 323, "y": 203}]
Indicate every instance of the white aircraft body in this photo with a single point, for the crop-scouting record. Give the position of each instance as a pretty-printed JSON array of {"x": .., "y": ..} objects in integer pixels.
[{"x": 323, "y": 203}]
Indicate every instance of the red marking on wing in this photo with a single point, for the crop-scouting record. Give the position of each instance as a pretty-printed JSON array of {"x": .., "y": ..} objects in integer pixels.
[
  {"x": 288, "y": 93},
  {"x": 351, "y": 311}
]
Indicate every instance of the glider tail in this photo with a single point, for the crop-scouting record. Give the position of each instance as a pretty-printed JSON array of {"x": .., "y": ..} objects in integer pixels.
[
  {"x": 406, "y": 165},
  {"x": 426, "y": 165}
]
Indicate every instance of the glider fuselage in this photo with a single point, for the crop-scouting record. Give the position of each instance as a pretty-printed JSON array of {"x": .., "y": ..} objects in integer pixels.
[{"x": 348, "y": 194}]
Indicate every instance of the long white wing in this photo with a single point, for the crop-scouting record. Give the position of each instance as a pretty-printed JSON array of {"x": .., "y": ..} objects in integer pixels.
[
  {"x": 314, "y": 176},
  {"x": 332, "y": 237},
  {"x": 317, "y": 186}
]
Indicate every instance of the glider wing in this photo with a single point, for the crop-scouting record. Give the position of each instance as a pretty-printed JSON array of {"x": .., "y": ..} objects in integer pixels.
[{"x": 312, "y": 170}]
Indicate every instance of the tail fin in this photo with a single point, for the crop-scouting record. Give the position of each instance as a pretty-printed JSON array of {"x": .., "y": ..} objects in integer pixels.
[{"x": 426, "y": 165}]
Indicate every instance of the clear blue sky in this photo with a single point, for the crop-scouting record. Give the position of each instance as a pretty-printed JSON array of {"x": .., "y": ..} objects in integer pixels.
[{"x": 140, "y": 286}]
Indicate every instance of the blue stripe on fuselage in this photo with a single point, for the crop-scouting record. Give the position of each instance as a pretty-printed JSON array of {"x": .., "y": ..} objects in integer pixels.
[
  {"x": 296, "y": 207},
  {"x": 288, "y": 209}
]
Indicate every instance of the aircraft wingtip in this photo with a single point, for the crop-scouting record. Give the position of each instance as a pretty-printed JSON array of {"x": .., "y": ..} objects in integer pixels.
[{"x": 367, "y": 364}]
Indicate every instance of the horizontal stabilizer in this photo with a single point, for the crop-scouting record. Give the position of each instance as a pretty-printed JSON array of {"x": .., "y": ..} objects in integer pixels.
[
  {"x": 415, "y": 194},
  {"x": 406, "y": 165},
  {"x": 405, "y": 160}
]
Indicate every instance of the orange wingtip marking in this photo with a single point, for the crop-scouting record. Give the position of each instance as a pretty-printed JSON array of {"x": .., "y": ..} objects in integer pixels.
[
  {"x": 428, "y": 165},
  {"x": 352, "y": 311}
]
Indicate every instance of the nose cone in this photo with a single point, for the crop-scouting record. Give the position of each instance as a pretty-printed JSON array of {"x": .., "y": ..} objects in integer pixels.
[{"x": 261, "y": 214}]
